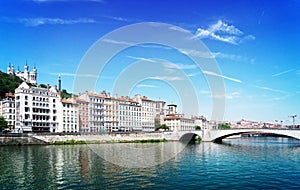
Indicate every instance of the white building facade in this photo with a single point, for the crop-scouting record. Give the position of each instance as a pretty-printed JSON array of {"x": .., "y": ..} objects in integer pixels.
[
  {"x": 177, "y": 123},
  {"x": 36, "y": 109},
  {"x": 150, "y": 110},
  {"x": 129, "y": 115},
  {"x": 7, "y": 110},
  {"x": 68, "y": 116}
]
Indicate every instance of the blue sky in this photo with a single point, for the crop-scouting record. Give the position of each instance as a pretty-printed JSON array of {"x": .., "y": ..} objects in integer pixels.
[{"x": 256, "y": 44}]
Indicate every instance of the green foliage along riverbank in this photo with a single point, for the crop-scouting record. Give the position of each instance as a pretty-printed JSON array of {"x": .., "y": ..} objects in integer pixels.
[{"x": 72, "y": 141}]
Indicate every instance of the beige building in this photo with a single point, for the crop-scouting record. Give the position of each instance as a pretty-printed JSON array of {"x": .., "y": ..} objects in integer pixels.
[
  {"x": 95, "y": 111},
  {"x": 178, "y": 123},
  {"x": 83, "y": 115}
]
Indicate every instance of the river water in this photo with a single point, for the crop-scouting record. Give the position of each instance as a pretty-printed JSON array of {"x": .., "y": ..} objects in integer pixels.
[{"x": 248, "y": 163}]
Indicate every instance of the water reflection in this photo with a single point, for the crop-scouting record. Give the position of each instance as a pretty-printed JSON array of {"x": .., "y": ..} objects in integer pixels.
[
  {"x": 138, "y": 155},
  {"x": 235, "y": 163}
]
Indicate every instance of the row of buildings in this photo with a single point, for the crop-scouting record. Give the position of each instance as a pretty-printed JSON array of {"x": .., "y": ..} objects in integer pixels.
[{"x": 37, "y": 109}]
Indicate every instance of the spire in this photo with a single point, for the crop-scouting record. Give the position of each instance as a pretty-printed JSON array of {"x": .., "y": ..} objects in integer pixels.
[{"x": 59, "y": 83}]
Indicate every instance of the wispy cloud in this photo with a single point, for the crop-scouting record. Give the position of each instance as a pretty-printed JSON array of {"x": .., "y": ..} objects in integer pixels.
[
  {"x": 194, "y": 74},
  {"x": 197, "y": 53},
  {"x": 179, "y": 29},
  {"x": 75, "y": 75},
  {"x": 142, "y": 59},
  {"x": 230, "y": 96},
  {"x": 117, "y": 18},
  {"x": 222, "y": 76},
  {"x": 169, "y": 65},
  {"x": 146, "y": 86},
  {"x": 32, "y": 22},
  {"x": 283, "y": 72},
  {"x": 270, "y": 89},
  {"x": 167, "y": 78},
  {"x": 224, "y": 32},
  {"x": 118, "y": 42}
]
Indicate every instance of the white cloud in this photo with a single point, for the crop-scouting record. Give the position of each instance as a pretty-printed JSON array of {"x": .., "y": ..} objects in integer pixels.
[
  {"x": 270, "y": 89},
  {"x": 197, "y": 53},
  {"x": 75, "y": 75},
  {"x": 224, "y": 32},
  {"x": 180, "y": 66},
  {"x": 194, "y": 74},
  {"x": 222, "y": 76},
  {"x": 230, "y": 96},
  {"x": 117, "y": 42},
  {"x": 228, "y": 56},
  {"x": 283, "y": 72},
  {"x": 42, "y": 21},
  {"x": 146, "y": 86},
  {"x": 179, "y": 29},
  {"x": 166, "y": 78},
  {"x": 117, "y": 18},
  {"x": 142, "y": 59}
]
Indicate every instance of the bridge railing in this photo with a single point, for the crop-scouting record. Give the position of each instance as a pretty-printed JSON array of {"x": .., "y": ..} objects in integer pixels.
[{"x": 258, "y": 129}]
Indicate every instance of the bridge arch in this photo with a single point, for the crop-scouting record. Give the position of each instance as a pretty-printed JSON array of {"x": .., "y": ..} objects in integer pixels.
[
  {"x": 218, "y": 135},
  {"x": 189, "y": 136}
]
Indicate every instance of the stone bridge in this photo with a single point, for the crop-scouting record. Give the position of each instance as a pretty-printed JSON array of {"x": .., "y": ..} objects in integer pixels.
[{"x": 209, "y": 135}]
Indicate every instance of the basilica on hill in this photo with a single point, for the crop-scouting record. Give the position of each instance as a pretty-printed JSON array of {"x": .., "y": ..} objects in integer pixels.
[{"x": 27, "y": 76}]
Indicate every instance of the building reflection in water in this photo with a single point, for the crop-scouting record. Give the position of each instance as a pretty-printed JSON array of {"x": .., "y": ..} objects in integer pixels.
[
  {"x": 84, "y": 162},
  {"x": 138, "y": 155}
]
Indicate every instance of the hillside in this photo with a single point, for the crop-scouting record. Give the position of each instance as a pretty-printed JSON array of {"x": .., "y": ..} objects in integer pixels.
[{"x": 8, "y": 83}]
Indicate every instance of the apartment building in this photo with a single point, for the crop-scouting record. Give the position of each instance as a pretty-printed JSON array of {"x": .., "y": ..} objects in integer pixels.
[
  {"x": 83, "y": 115},
  {"x": 7, "y": 109},
  {"x": 150, "y": 110},
  {"x": 36, "y": 108},
  {"x": 68, "y": 116},
  {"x": 129, "y": 114},
  {"x": 95, "y": 111}
]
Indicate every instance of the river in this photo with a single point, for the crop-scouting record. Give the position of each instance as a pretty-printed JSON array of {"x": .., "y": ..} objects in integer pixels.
[{"x": 248, "y": 163}]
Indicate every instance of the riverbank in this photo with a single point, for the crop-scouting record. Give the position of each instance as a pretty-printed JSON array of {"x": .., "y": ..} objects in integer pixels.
[{"x": 64, "y": 139}]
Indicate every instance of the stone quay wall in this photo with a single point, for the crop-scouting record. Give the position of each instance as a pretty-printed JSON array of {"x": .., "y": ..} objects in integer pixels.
[{"x": 39, "y": 139}]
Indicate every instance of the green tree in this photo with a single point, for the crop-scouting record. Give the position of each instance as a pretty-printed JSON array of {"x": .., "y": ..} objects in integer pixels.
[
  {"x": 224, "y": 126},
  {"x": 197, "y": 127},
  {"x": 8, "y": 83},
  {"x": 3, "y": 123},
  {"x": 65, "y": 94},
  {"x": 164, "y": 127},
  {"x": 157, "y": 123}
]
